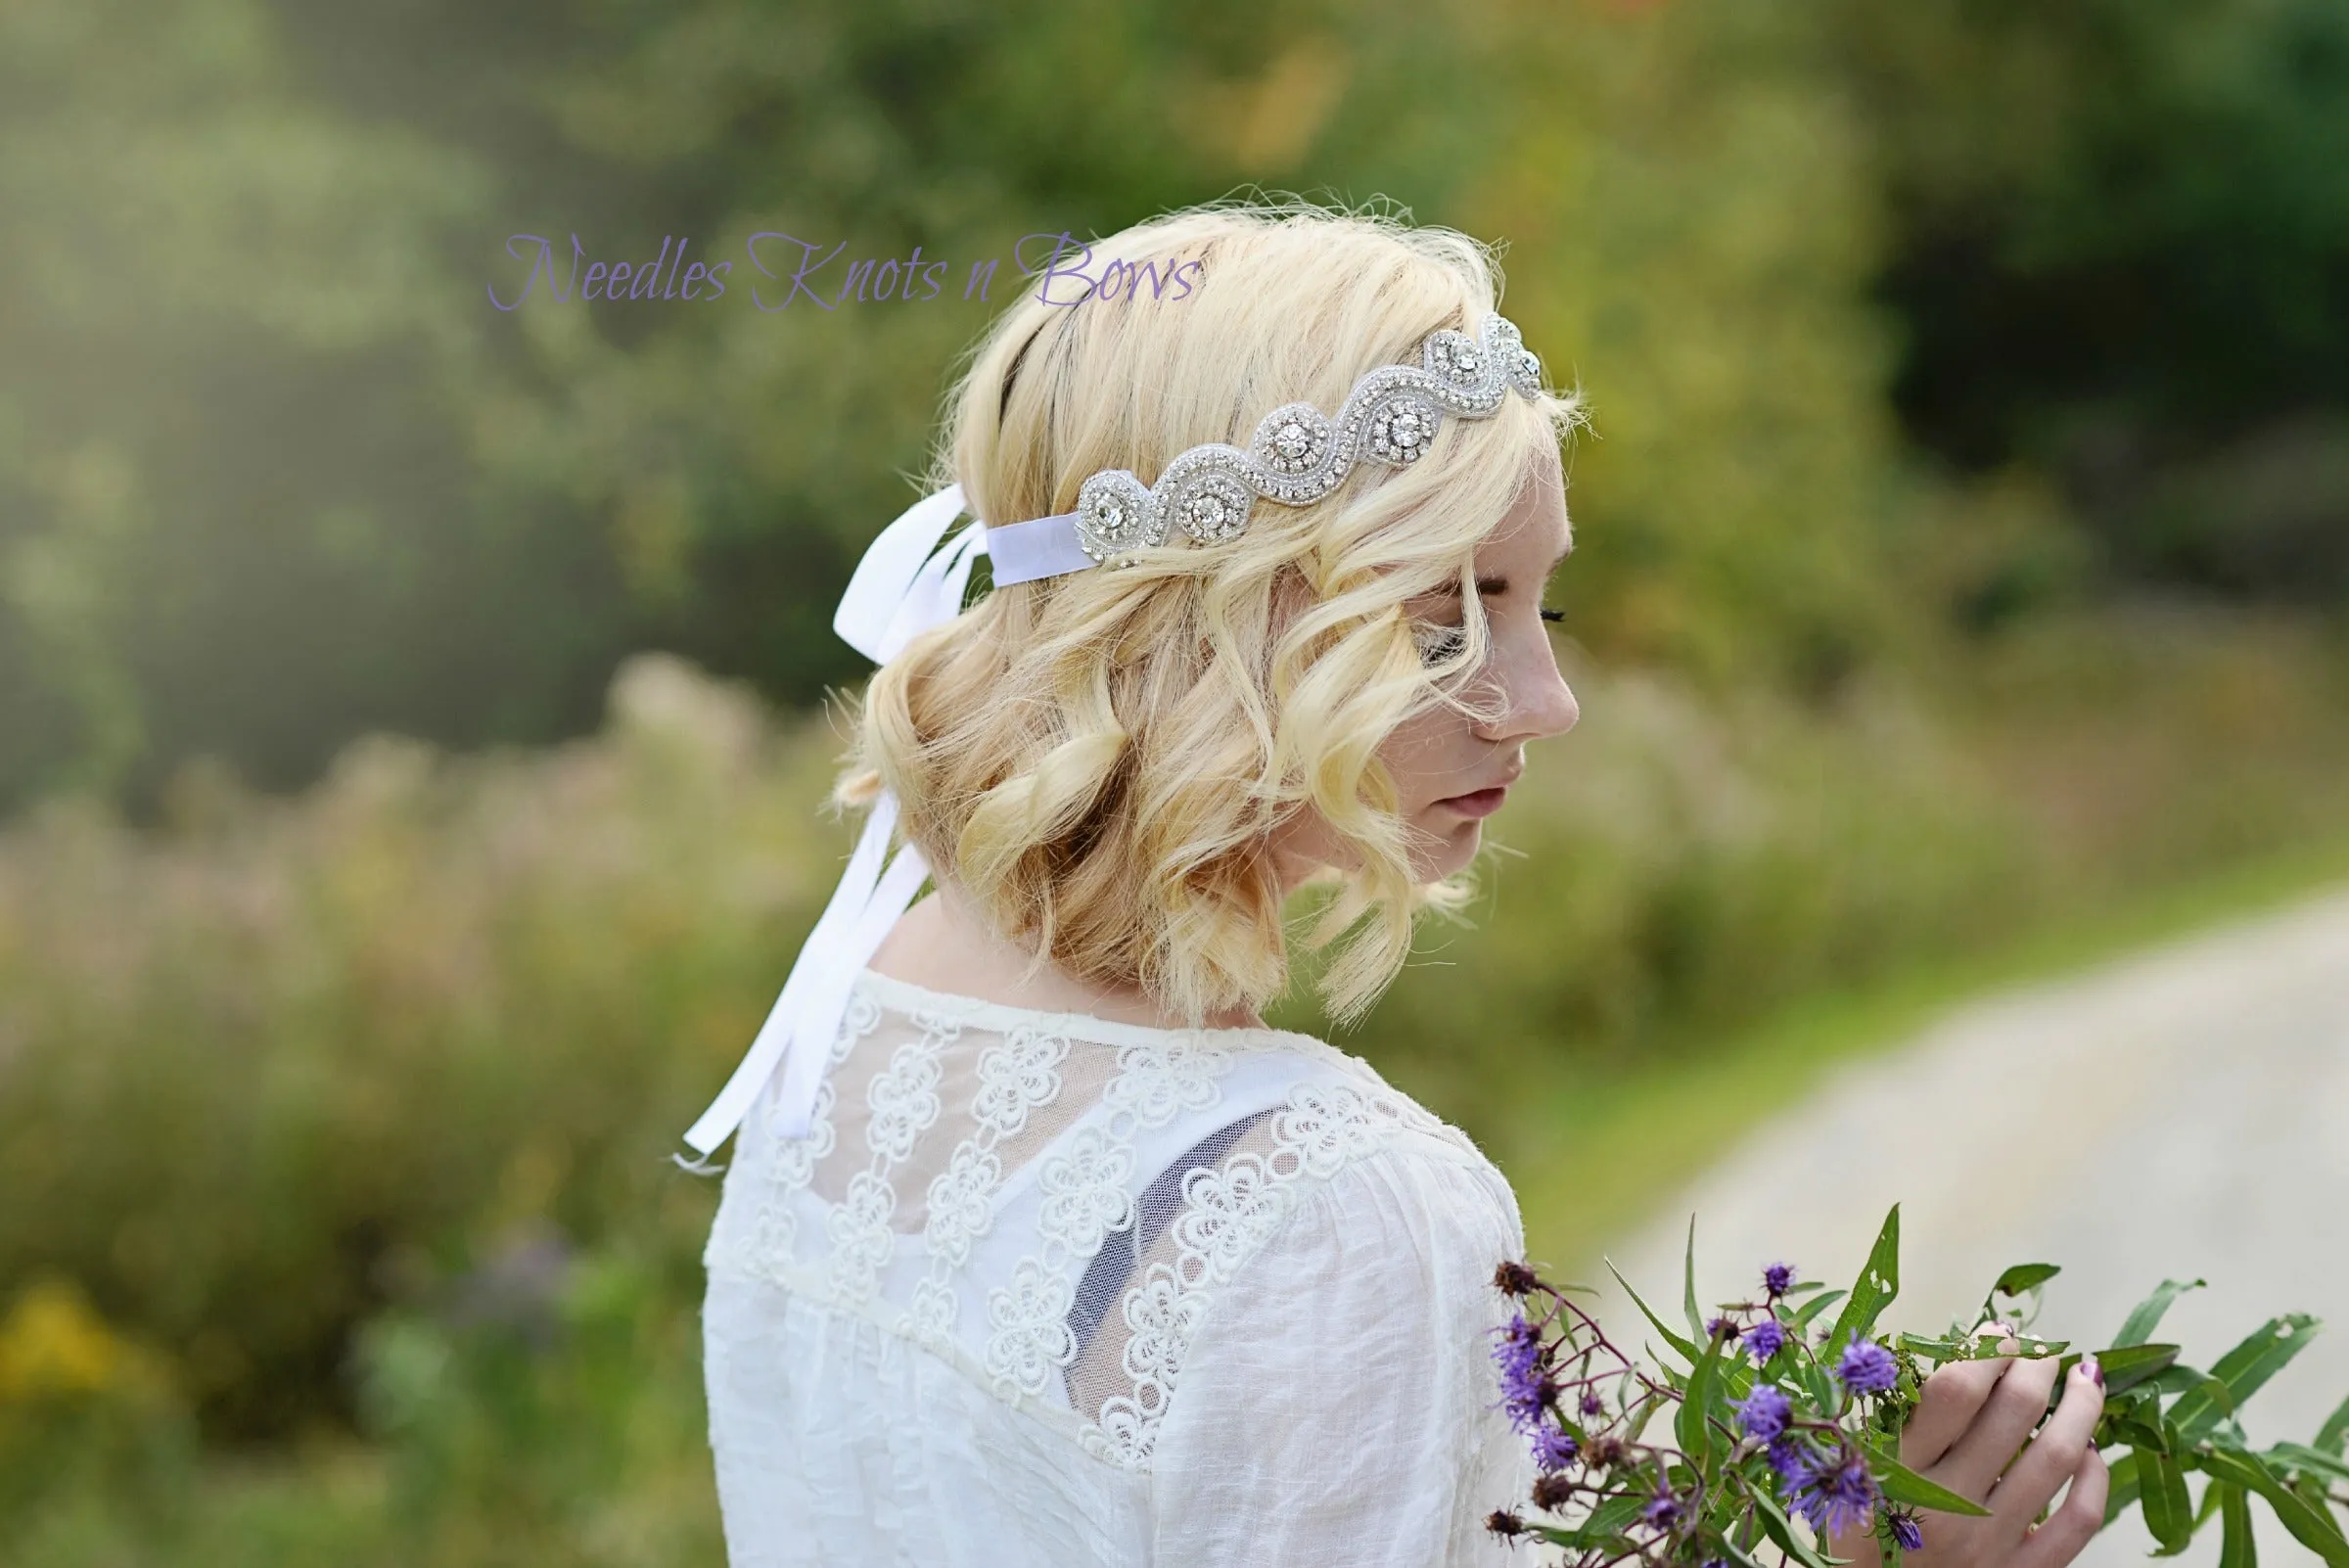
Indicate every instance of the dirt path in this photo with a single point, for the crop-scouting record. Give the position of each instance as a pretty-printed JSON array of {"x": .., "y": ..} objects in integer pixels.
[{"x": 2183, "y": 1113}]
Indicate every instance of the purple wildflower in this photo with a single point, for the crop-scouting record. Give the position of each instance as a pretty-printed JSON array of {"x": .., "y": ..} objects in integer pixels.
[
  {"x": 1765, "y": 1412},
  {"x": 1592, "y": 1405},
  {"x": 1526, "y": 1398},
  {"x": 1765, "y": 1339},
  {"x": 1837, "y": 1497},
  {"x": 1520, "y": 1345},
  {"x": 1554, "y": 1447},
  {"x": 1790, "y": 1459},
  {"x": 1866, "y": 1367},
  {"x": 1777, "y": 1280},
  {"x": 1906, "y": 1533},
  {"x": 1524, "y": 1389},
  {"x": 1663, "y": 1512}
]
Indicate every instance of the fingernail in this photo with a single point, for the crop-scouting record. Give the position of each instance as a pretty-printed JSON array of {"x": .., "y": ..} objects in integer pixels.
[{"x": 2087, "y": 1364}]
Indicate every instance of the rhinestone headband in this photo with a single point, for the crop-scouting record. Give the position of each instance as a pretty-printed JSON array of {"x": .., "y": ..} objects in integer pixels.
[{"x": 1296, "y": 456}]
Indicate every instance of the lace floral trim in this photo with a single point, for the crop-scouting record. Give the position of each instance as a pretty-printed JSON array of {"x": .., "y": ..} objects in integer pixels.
[
  {"x": 1016, "y": 1076},
  {"x": 1228, "y": 1213},
  {"x": 903, "y": 1100},
  {"x": 1087, "y": 1189}
]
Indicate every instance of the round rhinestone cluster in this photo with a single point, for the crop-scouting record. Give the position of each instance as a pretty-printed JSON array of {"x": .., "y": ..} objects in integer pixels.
[{"x": 1401, "y": 430}]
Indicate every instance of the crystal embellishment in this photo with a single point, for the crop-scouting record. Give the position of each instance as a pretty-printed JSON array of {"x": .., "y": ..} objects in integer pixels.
[{"x": 1299, "y": 454}]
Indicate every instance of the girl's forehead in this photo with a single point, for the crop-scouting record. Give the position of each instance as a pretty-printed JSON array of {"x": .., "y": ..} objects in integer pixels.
[{"x": 1535, "y": 534}]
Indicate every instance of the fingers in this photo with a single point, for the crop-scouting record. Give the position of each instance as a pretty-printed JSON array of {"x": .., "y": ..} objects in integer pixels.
[
  {"x": 2054, "y": 1456},
  {"x": 2058, "y": 1541},
  {"x": 1858, "y": 1548},
  {"x": 2006, "y": 1417},
  {"x": 1947, "y": 1404}
]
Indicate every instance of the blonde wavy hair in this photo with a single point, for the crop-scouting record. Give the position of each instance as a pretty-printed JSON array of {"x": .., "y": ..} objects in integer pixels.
[{"x": 1099, "y": 761}]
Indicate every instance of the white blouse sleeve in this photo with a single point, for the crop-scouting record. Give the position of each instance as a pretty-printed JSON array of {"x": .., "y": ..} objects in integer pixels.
[{"x": 1338, "y": 1406}]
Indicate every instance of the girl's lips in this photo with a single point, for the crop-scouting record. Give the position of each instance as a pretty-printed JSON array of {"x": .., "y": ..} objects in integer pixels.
[{"x": 1477, "y": 802}]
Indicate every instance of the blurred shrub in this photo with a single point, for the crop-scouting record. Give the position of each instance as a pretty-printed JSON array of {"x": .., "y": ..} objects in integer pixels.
[
  {"x": 260, "y": 1066},
  {"x": 541, "y": 1411},
  {"x": 565, "y": 1413},
  {"x": 83, "y": 1412}
]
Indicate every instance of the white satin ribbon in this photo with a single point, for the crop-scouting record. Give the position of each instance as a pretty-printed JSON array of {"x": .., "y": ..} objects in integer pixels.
[
  {"x": 904, "y": 586},
  {"x": 1047, "y": 547}
]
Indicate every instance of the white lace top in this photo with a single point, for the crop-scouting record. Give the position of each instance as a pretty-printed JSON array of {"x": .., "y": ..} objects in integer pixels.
[{"x": 1041, "y": 1289}]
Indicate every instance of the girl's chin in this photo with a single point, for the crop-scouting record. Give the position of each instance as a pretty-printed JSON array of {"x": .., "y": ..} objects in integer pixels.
[{"x": 1449, "y": 846}]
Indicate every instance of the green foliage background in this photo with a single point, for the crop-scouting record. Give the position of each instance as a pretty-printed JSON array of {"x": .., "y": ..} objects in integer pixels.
[{"x": 1963, "y": 540}]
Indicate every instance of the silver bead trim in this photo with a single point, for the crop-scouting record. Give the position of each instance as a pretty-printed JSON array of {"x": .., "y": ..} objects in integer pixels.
[{"x": 1297, "y": 454}]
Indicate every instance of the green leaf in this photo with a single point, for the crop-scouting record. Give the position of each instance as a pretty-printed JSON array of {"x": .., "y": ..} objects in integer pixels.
[
  {"x": 1614, "y": 1515},
  {"x": 2169, "y": 1511},
  {"x": 2307, "y": 1461},
  {"x": 1686, "y": 1347},
  {"x": 2237, "y": 1548},
  {"x": 2313, "y": 1528},
  {"x": 2124, "y": 1486},
  {"x": 2330, "y": 1436},
  {"x": 2182, "y": 1378},
  {"x": 1696, "y": 1319},
  {"x": 2023, "y": 1279},
  {"x": 2024, "y": 1276},
  {"x": 2125, "y": 1366},
  {"x": 1647, "y": 1412},
  {"x": 1691, "y": 1425},
  {"x": 1878, "y": 1283},
  {"x": 1581, "y": 1537},
  {"x": 2146, "y": 1316},
  {"x": 1816, "y": 1305},
  {"x": 1781, "y": 1531},
  {"x": 1903, "y": 1485},
  {"x": 1984, "y": 1346},
  {"x": 2137, "y": 1422},
  {"x": 1604, "y": 1527},
  {"x": 2243, "y": 1369}
]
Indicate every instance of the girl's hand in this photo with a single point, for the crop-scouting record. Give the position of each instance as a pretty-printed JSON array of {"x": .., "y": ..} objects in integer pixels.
[{"x": 1971, "y": 1433}]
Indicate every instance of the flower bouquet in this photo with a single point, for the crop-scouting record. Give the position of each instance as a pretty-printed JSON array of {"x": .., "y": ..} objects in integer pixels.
[{"x": 1779, "y": 1432}]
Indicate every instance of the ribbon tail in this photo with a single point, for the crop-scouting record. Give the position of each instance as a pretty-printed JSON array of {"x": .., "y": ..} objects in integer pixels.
[
  {"x": 827, "y": 1002},
  {"x": 837, "y": 925}
]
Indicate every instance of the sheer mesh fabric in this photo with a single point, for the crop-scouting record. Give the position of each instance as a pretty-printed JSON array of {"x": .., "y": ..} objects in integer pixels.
[{"x": 1049, "y": 1203}]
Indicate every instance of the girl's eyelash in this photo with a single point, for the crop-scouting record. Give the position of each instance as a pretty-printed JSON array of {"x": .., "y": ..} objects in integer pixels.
[{"x": 1438, "y": 643}]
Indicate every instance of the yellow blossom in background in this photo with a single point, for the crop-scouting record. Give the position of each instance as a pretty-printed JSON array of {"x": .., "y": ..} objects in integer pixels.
[{"x": 54, "y": 1344}]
